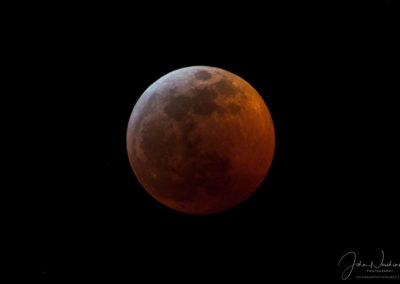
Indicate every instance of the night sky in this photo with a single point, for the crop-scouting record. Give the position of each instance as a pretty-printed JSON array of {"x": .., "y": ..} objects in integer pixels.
[{"x": 328, "y": 75}]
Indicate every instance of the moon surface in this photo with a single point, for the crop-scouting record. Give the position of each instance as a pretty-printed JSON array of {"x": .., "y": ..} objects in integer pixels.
[{"x": 200, "y": 140}]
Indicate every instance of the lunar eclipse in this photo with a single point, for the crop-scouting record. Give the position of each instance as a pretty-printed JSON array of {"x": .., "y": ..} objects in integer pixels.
[{"x": 200, "y": 140}]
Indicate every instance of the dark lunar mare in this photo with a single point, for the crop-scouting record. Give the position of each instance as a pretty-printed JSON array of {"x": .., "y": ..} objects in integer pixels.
[{"x": 205, "y": 171}]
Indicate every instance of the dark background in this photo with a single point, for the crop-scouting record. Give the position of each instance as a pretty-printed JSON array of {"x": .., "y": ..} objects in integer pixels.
[{"x": 329, "y": 75}]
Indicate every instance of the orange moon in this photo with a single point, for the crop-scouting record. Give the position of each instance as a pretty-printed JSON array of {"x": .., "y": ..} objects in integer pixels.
[{"x": 200, "y": 140}]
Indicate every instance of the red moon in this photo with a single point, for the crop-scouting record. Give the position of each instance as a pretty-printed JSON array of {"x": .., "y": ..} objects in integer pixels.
[{"x": 200, "y": 140}]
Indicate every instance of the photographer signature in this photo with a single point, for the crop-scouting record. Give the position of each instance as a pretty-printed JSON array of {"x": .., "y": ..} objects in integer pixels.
[{"x": 354, "y": 262}]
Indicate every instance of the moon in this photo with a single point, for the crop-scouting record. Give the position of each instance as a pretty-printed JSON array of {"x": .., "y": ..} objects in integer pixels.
[{"x": 200, "y": 140}]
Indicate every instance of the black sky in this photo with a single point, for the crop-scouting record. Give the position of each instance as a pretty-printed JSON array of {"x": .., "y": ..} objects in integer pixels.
[{"x": 328, "y": 75}]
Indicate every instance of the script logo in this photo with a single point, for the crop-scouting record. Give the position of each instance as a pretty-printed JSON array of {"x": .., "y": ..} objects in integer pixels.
[{"x": 350, "y": 262}]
